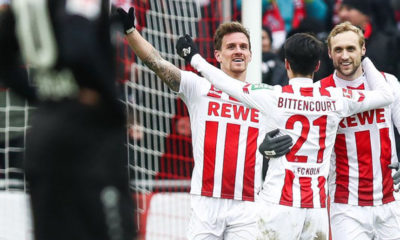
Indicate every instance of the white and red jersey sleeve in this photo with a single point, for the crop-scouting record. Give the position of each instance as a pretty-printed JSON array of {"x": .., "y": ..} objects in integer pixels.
[
  {"x": 395, "y": 107},
  {"x": 364, "y": 148},
  {"x": 225, "y": 137}
]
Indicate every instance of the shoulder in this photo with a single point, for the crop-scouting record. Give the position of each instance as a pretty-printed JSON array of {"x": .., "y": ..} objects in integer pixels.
[
  {"x": 251, "y": 87},
  {"x": 326, "y": 82},
  {"x": 191, "y": 77},
  {"x": 390, "y": 78},
  {"x": 191, "y": 82}
]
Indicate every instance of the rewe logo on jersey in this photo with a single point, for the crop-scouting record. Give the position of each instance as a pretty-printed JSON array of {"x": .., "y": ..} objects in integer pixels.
[
  {"x": 367, "y": 117},
  {"x": 233, "y": 111}
]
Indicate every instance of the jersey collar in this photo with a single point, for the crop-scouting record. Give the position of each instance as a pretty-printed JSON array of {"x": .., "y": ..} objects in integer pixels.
[
  {"x": 346, "y": 83},
  {"x": 304, "y": 82}
]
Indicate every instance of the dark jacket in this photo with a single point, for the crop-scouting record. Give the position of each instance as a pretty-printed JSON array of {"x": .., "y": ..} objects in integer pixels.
[
  {"x": 273, "y": 70},
  {"x": 382, "y": 50}
]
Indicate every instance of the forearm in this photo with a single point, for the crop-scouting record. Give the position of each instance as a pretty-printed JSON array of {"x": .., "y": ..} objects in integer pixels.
[
  {"x": 168, "y": 73},
  {"x": 396, "y": 116},
  {"x": 376, "y": 99},
  {"x": 382, "y": 93},
  {"x": 395, "y": 108},
  {"x": 218, "y": 78}
]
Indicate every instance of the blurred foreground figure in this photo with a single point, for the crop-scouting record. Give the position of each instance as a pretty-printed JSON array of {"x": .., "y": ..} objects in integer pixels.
[{"x": 75, "y": 157}]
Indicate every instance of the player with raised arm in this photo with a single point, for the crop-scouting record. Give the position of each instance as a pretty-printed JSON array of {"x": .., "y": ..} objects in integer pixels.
[
  {"x": 363, "y": 204},
  {"x": 292, "y": 203},
  {"x": 76, "y": 163},
  {"x": 225, "y": 135}
]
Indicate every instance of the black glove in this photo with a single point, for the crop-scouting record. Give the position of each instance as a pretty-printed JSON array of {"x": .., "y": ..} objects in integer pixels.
[
  {"x": 274, "y": 146},
  {"x": 128, "y": 19},
  {"x": 186, "y": 48},
  {"x": 395, "y": 175}
]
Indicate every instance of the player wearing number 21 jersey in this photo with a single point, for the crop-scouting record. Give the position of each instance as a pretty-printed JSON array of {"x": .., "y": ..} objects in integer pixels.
[{"x": 295, "y": 189}]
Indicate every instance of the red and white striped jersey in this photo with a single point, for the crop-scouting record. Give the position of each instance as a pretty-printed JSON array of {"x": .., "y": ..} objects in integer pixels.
[
  {"x": 364, "y": 148},
  {"x": 310, "y": 115},
  {"x": 225, "y": 137}
]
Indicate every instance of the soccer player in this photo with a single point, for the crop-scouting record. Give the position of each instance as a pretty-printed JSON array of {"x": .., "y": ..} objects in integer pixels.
[
  {"x": 75, "y": 165},
  {"x": 225, "y": 135},
  {"x": 292, "y": 203},
  {"x": 361, "y": 187}
]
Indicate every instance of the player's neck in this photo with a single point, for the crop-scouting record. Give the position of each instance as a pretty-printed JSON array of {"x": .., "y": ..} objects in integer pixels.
[
  {"x": 239, "y": 76},
  {"x": 292, "y": 75}
]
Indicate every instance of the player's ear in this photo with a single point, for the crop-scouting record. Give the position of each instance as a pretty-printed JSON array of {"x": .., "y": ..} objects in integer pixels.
[
  {"x": 287, "y": 64},
  {"x": 363, "y": 50},
  {"x": 317, "y": 67},
  {"x": 329, "y": 53},
  {"x": 217, "y": 55},
  {"x": 251, "y": 56}
]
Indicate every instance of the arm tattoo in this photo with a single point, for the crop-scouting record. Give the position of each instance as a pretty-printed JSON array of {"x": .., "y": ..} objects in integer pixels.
[{"x": 165, "y": 70}]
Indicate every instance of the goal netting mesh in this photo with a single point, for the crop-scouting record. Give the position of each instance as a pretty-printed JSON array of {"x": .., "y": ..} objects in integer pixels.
[{"x": 15, "y": 221}]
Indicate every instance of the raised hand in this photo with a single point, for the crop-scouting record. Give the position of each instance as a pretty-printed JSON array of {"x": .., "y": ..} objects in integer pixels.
[
  {"x": 186, "y": 48},
  {"x": 128, "y": 19}
]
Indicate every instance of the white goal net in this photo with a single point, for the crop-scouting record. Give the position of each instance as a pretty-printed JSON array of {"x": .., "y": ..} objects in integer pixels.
[{"x": 15, "y": 220}]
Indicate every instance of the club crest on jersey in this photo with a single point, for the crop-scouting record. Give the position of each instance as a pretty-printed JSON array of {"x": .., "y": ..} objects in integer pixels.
[
  {"x": 347, "y": 93},
  {"x": 86, "y": 8}
]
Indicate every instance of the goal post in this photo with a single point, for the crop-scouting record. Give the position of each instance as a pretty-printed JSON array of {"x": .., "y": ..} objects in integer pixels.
[{"x": 251, "y": 19}]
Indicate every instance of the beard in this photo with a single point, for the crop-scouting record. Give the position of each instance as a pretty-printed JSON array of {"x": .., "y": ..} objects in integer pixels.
[{"x": 347, "y": 72}]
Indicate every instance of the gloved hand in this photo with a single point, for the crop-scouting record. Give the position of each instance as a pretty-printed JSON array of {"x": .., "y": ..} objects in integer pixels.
[
  {"x": 186, "y": 48},
  {"x": 395, "y": 175},
  {"x": 274, "y": 146},
  {"x": 128, "y": 19}
]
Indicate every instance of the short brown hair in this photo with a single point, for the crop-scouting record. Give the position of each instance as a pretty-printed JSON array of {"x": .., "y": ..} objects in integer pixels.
[
  {"x": 226, "y": 28},
  {"x": 346, "y": 27}
]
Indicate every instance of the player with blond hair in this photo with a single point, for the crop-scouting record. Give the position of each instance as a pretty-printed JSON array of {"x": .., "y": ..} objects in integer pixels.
[{"x": 363, "y": 202}]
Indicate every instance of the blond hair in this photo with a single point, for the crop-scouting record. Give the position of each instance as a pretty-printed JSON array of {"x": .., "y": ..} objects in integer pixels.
[{"x": 346, "y": 27}]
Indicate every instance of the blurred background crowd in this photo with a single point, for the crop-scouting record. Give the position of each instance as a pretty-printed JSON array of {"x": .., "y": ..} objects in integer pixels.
[{"x": 379, "y": 19}]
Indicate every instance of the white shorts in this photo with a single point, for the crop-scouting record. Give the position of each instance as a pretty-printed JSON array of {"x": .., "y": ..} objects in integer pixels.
[
  {"x": 349, "y": 222},
  {"x": 276, "y": 221},
  {"x": 215, "y": 218}
]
